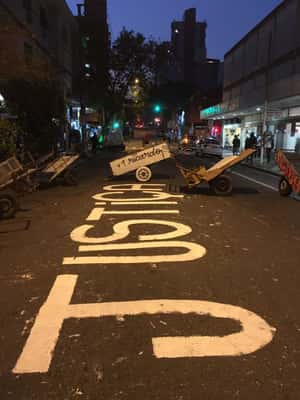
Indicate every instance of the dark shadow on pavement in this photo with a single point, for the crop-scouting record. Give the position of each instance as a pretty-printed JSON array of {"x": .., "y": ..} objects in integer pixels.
[
  {"x": 202, "y": 190},
  {"x": 244, "y": 190},
  {"x": 14, "y": 226}
]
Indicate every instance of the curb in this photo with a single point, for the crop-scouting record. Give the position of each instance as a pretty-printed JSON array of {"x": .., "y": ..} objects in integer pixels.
[{"x": 261, "y": 170}]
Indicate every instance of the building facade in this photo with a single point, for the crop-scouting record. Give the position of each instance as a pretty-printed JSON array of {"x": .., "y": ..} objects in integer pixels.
[
  {"x": 38, "y": 38},
  {"x": 94, "y": 51},
  {"x": 188, "y": 39},
  {"x": 261, "y": 91}
]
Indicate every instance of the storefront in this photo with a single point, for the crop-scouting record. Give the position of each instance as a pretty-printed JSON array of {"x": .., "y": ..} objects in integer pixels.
[
  {"x": 288, "y": 136},
  {"x": 231, "y": 128},
  {"x": 252, "y": 124}
]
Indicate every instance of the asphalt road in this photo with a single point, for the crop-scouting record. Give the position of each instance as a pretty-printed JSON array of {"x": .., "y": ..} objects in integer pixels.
[{"x": 199, "y": 301}]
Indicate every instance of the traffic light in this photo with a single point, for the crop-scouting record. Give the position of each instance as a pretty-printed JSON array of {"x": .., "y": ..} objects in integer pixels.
[
  {"x": 116, "y": 125},
  {"x": 157, "y": 108}
]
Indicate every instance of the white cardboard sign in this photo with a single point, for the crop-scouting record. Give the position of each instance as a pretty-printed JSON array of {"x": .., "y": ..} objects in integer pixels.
[{"x": 134, "y": 161}]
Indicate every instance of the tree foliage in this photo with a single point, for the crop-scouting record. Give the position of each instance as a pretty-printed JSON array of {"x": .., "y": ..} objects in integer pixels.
[
  {"x": 133, "y": 57},
  {"x": 9, "y": 132},
  {"x": 39, "y": 108},
  {"x": 173, "y": 94}
]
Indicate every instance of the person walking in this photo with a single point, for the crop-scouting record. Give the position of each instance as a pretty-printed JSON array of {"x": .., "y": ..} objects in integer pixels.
[
  {"x": 252, "y": 144},
  {"x": 236, "y": 145}
]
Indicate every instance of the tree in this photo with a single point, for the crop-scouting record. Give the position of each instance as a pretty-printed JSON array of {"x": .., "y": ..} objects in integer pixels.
[
  {"x": 133, "y": 65},
  {"x": 39, "y": 107},
  {"x": 9, "y": 132}
]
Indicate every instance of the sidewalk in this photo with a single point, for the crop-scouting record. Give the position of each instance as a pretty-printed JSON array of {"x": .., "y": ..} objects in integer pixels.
[{"x": 270, "y": 168}]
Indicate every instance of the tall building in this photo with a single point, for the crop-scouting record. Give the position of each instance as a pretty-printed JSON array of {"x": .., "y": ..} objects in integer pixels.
[
  {"x": 38, "y": 38},
  {"x": 189, "y": 45},
  {"x": 94, "y": 51},
  {"x": 190, "y": 63}
]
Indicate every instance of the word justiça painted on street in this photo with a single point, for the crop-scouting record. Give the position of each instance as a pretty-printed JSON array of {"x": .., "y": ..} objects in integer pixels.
[{"x": 39, "y": 348}]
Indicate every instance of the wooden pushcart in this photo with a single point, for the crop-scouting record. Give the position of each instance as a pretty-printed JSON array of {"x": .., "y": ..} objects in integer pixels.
[
  {"x": 59, "y": 166},
  {"x": 215, "y": 176},
  {"x": 289, "y": 164},
  {"x": 14, "y": 179},
  {"x": 140, "y": 162}
]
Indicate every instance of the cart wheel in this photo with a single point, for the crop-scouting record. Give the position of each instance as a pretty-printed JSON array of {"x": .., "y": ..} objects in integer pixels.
[
  {"x": 143, "y": 174},
  {"x": 284, "y": 187},
  {"x": 70, "y": 179},
  {"x": 8, "y": 204},
  {"x": 222, "y": 185}
]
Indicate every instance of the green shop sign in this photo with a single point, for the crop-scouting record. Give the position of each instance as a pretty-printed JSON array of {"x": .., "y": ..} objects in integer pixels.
[{"x": 214, "y": 110}]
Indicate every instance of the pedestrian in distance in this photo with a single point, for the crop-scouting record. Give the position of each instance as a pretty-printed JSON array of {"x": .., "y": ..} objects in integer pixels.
[
  {"x": 247, "y": 143},
  {"x": 252, "y": 144},
  {"x": 236, "y": 145},
  {"x": 269, "y": 147},
  {"x": 258, "y": 147},
  {"x": 94, "y": 143}
]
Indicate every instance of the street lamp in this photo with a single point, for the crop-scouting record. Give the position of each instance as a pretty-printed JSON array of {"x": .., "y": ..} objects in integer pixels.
[{"x": 137, "y": 81}]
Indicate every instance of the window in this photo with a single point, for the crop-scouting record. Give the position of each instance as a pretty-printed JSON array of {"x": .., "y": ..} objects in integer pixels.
[
  {"x": 27, "y": 5},
  {"x": 28, "y": 53}
]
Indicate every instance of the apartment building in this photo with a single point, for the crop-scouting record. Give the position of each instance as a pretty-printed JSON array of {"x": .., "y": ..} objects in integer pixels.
[{"x": 38, "y": 38}]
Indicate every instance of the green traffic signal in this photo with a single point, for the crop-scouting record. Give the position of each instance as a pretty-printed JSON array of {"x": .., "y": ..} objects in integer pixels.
[
  {"x": 157, "y": 108},
  {"x": 116, "y": 125}
]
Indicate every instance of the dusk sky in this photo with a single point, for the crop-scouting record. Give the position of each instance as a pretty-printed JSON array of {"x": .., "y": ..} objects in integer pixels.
[{"x": 228, "y": 20}]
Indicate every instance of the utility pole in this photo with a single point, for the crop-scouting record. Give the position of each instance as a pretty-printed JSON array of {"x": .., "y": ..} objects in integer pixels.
[
  {"x": 265, "y": 117},
  {"x": 264, "y": 128}
]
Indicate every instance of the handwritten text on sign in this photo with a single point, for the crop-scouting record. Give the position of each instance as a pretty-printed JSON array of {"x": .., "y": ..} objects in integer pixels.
[{"x": 148, "y": 156}]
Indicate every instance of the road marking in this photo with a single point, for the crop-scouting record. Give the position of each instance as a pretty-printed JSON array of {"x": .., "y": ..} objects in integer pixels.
[
  {"x": 117, "y": 203},
  {"x": 195, "y": 252},
  {"x": 155, "y": 196},
  {"x": 255, "y": 181},
  {"x": 135, "y": 187},
  {"x": 97, "y": 213},
  {"x": 128, "y": 212},
  {"x": 38, "y": 351},
  {"x": 121, "y": 231}
]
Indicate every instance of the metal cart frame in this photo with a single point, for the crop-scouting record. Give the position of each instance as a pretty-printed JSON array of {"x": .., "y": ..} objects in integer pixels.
[
  {"x": 219, "y": 182},
  {"x": 289, "y": 165}
]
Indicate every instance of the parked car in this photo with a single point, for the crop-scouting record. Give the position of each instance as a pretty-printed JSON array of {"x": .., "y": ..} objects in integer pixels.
[{"x": 212, "y": 147}]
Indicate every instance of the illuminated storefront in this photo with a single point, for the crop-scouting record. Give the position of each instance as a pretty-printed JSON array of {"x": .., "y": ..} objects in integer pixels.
[{"x": 230, "y": 130}]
